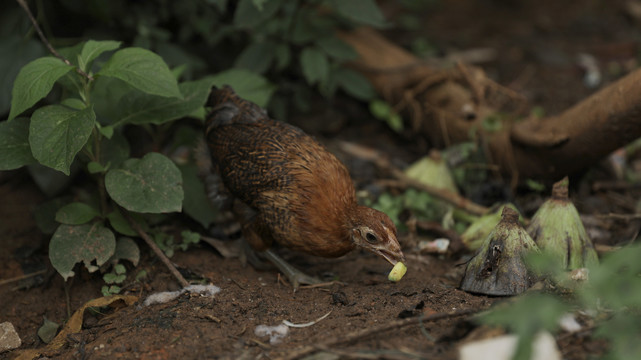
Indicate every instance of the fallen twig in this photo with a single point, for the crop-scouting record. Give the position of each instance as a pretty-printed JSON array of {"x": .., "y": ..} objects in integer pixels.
[
  {"x": 22, "y": 277},
  {"x": 314, "y": 286},
  {"x": 626, "y": 217},
  {"x": 405, "y": 181},
  {"x": 172, "y": 269},
  {"x": 363, "y": 333}
]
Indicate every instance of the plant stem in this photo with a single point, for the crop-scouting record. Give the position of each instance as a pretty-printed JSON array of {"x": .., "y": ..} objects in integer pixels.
[
  {"x": 23, "y": 4},
  {"x": 156, "y": 249}
]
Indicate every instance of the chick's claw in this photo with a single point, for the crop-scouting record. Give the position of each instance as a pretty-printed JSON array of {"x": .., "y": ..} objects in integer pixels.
[{"x": 295, "y": 276}]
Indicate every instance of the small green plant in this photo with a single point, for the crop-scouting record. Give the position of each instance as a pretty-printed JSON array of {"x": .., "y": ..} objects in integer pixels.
[
  {"x": 612, "y": 296},
  {"x": 113, "y": 280},
  {"x": 418, "y": 203},
  {"x": 383, "y": 111},
  {"x": 82, "y": 130},
  {"x": 167, "y": 244}
]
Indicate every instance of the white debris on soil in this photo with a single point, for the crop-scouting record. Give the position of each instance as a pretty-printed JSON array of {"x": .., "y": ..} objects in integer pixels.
[
  {"x": 502, "y": 348},
  {"x": 203, "y": 290},
  {"x": 291, "y": 324},
  {"x": 438, "y": 246},
  {"x": 167, "y": 296},
  {"x": 9, "y": 338},
  {"x": 568, "y": 323},
  {"x": 276, "y": 333}
]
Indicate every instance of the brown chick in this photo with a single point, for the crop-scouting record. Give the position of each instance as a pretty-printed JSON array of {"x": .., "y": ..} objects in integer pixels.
[{"x": 294, "y": 192}]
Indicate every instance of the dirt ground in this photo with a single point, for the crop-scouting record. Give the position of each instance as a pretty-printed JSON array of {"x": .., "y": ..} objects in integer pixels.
[{"x": 536, "y": 46}]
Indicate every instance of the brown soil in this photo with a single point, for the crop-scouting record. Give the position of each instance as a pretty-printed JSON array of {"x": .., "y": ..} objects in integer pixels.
[{"x": 537, "y": 43}]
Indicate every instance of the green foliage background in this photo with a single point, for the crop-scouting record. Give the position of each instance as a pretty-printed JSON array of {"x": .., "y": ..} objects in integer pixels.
[{"x": 151, "y": 65}]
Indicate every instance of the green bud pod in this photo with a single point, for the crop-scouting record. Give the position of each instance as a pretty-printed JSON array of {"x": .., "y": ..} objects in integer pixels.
[
  {"x": 478, "y": 230},
  {"x": 558, "y": 230}
]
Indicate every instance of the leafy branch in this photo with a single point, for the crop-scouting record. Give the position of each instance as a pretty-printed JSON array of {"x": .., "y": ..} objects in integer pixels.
[{"x": 43, "y": 38}]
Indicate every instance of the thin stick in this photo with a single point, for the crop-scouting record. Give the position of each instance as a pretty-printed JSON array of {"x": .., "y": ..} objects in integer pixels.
[
  {"x": 51, "y": 49},
  {"x": 156, "y": 249},
  {"x": 627, "y": 217},
  {"x": 360, "y": 334},
  {"x": 22, "y": 277}
]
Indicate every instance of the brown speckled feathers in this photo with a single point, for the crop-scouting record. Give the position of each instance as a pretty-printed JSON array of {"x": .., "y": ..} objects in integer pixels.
[{"x": 301, "y": 195}]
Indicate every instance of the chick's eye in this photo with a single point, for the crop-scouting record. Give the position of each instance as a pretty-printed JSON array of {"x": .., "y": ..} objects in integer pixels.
[{"x": 371, "y": 238}]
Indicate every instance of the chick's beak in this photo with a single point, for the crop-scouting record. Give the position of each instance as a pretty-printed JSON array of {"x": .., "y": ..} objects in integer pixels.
[
  {"x": 392, "y": 258},
  {"x": 390, "y": 250}
]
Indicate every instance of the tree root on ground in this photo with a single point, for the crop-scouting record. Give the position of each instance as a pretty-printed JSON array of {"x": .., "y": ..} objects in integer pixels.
[{"x": 450, "y": 106}]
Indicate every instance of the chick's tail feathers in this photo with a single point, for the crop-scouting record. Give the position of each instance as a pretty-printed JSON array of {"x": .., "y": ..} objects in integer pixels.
[{"x": 229, "y": 108}]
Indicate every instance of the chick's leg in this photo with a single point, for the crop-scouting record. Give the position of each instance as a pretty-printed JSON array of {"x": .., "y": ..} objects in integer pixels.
[
  {"x": 257, "y": 242},
  {"x": 258, "y": 236},
  {"x": 295, "y": 276}
]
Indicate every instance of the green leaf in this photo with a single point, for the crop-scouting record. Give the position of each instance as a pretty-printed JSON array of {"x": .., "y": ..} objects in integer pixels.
[
  {"x": 621, "y": 330},
  {"x": 120, "y": 268},
  {"x": 34, "y": 82},
  {"x": 45, "y": 214},
  {"x": 111, "y": 278},
  {"x": 282, "y": 55},
  {"x": 305, "y": 30},
  {"x": 110, "y": 290},
  {"x": 95, "y": 168},
  {"x": 248, "y": 15},
  {"x": 106, "y": 93},
  {"x": 15, "y": 151},
  {"x": 143, "y": 70},
  {"x": 48, "y": 331},
  {"x": 354, "y": 84},
  {"x": 246, "y": 84},
  {"x": 58, "y": 133},
  {"x": 337, "y": 48},
  {"x": 73, "y": 103},
  {"x": 383, "y": 111},
  {"x": 120, "y": 224},
  {"x": 616, "y": 281},
  {"x": 141, "y": 274},
  {"x": 364, "y": 12},
  {"x": 395, "y": 122},
  {"x": 107, "y": 131},
  {"x": 92, "y": 49},
  {"x": 380, "y": 109},
  {"x": 142, "y": 108},
  {"x": 256, "y": 57},
  {"x": 196, "y": 203},
  {"x": 152, "y": 184},
  {"x": 190, "y": 237},
  {"x": 114, "y": 151},
  {"x": 126, "y": 249},
  {"x": 16, "y": 52},
  {"x": 314, "y": 64},
  {"x": 72, "y": 53},
  {"x": 87, "y": 243},
  {"x": 76, "y": 213},
  {"x": 535, "y": 312},
  {"x": 493, "y": 123}
]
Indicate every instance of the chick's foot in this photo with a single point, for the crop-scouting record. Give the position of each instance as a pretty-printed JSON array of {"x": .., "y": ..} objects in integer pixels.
[{"x": 295, "y": 276}]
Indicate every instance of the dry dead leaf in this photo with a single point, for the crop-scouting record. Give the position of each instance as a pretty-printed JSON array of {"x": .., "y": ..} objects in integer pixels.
[{"x": 74, "y": 324}]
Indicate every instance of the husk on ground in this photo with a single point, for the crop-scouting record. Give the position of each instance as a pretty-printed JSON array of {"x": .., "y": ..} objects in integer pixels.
[{"x": 499, "y": 267}]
